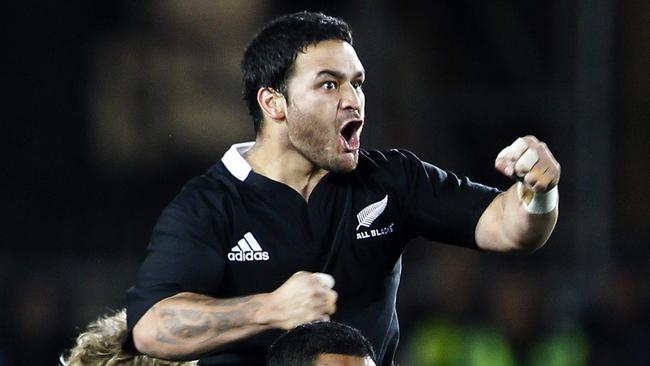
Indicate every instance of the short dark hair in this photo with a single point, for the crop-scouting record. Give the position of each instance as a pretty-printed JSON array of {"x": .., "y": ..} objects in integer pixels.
[
  {"x": 302, "y": 345},
  {"x": 269, "y": 58}
]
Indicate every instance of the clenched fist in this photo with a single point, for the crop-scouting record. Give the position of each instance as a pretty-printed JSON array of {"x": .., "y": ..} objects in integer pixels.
[
  {"x": 303, "y": 298},
  {"x": 530, "y": 161}
]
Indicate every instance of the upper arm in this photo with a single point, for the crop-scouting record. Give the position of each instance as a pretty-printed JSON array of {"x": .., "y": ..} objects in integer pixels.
[
  {"x": 183, "y": 256},
  {"x": 489, "y": 229},
  {"x": 444, "y": 207}
]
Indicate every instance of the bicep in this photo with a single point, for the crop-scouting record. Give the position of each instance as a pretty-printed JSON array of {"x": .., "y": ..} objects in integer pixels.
[
  {"x": 506, "y": 226},
  {"x": 489, "y": 234}
]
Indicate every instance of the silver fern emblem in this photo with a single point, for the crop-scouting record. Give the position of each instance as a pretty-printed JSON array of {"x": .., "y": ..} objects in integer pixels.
[{"x": 371, "y": 212}]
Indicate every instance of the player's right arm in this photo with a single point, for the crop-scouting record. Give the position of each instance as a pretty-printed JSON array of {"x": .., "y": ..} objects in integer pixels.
[{"x": 189, "y": 325}]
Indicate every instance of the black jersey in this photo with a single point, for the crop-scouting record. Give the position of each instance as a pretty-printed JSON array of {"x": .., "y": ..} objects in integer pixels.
[{"x": 232, "y": 232}]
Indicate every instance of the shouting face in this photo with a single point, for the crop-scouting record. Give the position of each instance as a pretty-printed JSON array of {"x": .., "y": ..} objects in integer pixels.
[{"x": 325, "y": 106}]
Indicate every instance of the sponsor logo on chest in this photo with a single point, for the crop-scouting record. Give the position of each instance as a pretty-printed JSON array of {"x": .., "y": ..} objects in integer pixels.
[
  {"x": 368, "y": 215},
  {"x": 247, "y": 250}
]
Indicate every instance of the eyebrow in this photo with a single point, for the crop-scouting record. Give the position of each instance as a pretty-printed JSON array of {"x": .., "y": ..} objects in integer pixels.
[{"x": 337, "y": 74}]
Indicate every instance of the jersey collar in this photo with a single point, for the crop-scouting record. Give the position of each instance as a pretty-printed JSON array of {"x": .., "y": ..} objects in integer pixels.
[{"x": 235, "y": 162}]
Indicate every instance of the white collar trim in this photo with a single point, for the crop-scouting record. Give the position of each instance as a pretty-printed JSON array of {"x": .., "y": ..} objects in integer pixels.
[{"x": 235, "y": 162}]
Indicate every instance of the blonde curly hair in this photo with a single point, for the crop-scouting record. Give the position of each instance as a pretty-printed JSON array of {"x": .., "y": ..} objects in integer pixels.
[{"x": 101, "y": 345}]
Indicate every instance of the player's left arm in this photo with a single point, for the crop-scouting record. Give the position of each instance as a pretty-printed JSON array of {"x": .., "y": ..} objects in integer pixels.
[{"x": 523, "y": 217}]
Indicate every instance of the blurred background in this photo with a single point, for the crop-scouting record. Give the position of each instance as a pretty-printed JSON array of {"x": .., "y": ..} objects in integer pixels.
[{"x": 112, "y": 105}]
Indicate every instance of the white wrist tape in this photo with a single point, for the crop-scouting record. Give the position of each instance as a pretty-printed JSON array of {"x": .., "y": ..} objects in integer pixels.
[{"x": 542, "y": 202}]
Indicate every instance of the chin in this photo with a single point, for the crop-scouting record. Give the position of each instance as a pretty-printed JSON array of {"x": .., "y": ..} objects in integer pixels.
[
  {"x": 346, "y": 164},
  {"x": 342, "y": 170}
]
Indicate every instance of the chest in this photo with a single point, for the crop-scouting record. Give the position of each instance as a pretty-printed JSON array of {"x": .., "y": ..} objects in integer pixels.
[{"x": 350, "y": 233}]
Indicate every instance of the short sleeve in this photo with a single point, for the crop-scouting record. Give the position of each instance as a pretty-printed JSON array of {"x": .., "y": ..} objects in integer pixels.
[
  {"x": 182, "y": 256},
  {"x": 442, "y": 206}
]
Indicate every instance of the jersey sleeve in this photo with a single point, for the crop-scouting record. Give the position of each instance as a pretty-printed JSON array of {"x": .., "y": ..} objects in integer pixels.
[
  {"x": 442, "y": 206},
  {"x": 182, "y": 256}
]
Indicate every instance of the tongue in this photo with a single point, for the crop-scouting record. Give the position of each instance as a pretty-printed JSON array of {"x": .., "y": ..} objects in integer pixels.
[{"x": 352, "y": 143}]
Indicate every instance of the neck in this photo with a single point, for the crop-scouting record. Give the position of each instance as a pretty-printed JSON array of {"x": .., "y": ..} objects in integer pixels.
[{"x": 284, "y": 165}]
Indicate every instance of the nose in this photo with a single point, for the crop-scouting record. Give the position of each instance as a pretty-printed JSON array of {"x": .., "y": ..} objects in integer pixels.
[{"x": 351, "y": 98}]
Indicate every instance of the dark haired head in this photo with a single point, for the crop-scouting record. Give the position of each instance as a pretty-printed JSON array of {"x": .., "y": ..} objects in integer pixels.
[
  {"x": 269, "y": 58},
  {"x": 302, "y": 345}
]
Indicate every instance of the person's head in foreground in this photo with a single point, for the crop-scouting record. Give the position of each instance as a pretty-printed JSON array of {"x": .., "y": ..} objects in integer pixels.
[
  {"x": 321, "y": 344},
  {"x": 101, "y": 345}
]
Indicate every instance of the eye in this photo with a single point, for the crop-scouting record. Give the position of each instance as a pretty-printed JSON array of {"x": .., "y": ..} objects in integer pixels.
[
  {"x": 357, "y": 84},
  {"x": 329, "y": 85}
]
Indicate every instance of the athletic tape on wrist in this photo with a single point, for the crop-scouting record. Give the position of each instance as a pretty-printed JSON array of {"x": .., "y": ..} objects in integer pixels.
[{"x": 542, "y": 202}]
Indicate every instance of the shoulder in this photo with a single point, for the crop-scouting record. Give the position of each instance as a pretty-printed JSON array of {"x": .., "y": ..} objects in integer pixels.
[
  {"x": 403, "y": 167},
  {"x": 383, "y": 157},
  {"x": 394, "y": 162},
  {"x": 207, "y": 194},
  {"x": 389, "y": 170}
]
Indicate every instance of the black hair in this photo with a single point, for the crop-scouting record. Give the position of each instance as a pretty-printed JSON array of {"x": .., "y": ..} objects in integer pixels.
[
  {"x": 302, "y": 345},
  {"x": 269, "y": 58}
]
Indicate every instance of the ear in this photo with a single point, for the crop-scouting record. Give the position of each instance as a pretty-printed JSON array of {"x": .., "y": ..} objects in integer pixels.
[{"x": 272, "y": 103}]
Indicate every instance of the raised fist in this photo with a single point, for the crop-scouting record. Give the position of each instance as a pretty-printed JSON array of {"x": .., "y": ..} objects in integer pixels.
[{"x": 530, "y": 161}]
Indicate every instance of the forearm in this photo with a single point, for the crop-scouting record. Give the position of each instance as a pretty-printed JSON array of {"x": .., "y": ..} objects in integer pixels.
[
  {"x": 523, "y": 230},
  {"x": 188, "y": 325},
  {"x": 506, "y": 225},
  {"x": 520, "y": 219}
]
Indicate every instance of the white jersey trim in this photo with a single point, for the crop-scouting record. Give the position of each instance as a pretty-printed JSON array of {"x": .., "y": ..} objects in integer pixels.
[{"x": 235, "y": 162}]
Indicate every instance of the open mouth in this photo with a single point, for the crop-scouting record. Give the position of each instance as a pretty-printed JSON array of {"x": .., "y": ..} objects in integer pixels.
[{"x": 350, "y": 132}]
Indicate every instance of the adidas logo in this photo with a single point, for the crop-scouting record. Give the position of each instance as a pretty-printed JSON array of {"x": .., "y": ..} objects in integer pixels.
[{"x": 247, "y": 249}]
